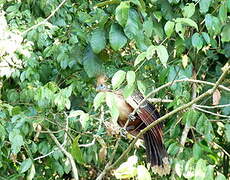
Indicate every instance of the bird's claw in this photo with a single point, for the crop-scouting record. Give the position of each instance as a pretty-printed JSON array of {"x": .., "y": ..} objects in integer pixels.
[
  {"x": 123, "y": 132},
  {"x": 131, "y": 117}
]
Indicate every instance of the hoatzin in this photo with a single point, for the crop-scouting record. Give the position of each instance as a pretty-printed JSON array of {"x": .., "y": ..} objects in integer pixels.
[{"x": 146, "y": 114}]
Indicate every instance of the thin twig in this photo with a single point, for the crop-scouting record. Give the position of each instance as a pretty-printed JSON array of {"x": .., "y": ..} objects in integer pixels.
[
  {"x": 212, "y": 107},
  {"x": 158, "y": 100},
  {"x": 209, "y": 112},
  {"x": 45, "y": 20}
]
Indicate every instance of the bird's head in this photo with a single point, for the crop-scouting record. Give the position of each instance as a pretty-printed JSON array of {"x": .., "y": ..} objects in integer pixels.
[{"x": 101, "y": 84}]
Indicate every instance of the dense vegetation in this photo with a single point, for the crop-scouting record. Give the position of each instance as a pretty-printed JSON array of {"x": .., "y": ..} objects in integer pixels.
[{"x": 51, "y": 52}]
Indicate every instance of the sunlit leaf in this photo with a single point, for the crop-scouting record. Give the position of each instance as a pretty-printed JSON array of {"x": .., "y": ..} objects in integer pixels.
[
  {"x": 169, "y": 28},
  {"x": 99, "y": 98},
  {"x": 188, "y": 10},
  {"x": 76, "y": 151},
  {"x": 162, "y": 54},
  {"x": 122, "y": 13},
  {"x": 130, "y": 77},
  {"x": 140, "y": 58},
  {"x": 26, "y": 164},
  {"x": 204, "y": 5},
  {"x": 118, "y": 78},
  {"x": 187, "y": 21},
  {"x": 200, "y": 170},
  {"x": 143, "y": 173}
]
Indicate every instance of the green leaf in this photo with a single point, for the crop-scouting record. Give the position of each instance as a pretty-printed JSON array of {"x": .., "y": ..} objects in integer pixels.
[
  {"x": 76, "y": 151},
  {"x": 143, "y": 173},
  {"x": 130, "y": 77},
  {"x": 118, "y": 78},
  {"x": 223, "y": 13},
  {"x": 122, "y": 13},
  {"x": 212, "y": 24},
  {"x": 204, "y": 5},
  {"x": 132, "y": 28},
  {"x": 220, "y": 177},
  {"x": 16, "y": 141},
  {"x": 128, "y": 90},
  {"x": 180, "y": 30},
  {"x": 117, "y": 38},
  {"x": 169, "y": 28},
  {"x": 197, "y": 41},
  {"x": 97, "y": 40},
  {"x": 225, "y": 37},
  {"x": 91, "y": 63},
  {"x": 209, "y": 172},
  {"x": 110, "y": 101},
  {"x": 189, "y": 169},
  {"x": 99, "y": 98},
  {"x": 200, "y": 170},
  {"x": 188, "y": 10},
  {"x": 141, "y": 87},
  {"x": 197, "y": 151},
  {"x": 179, "y": 166},
  {"x": 148, "y": 27},
  {"x": 162, "y": 54},
  {"x": 139, "y": 58},
  {"x": 26, "y": 164},
  {"x": 2, "y": 133},
  {"x": 206, "y": 37},
  {"x": 150, "y": 51},
  {"x": 31, "y": 173},
  {"x": 227, "y": 132},
  {"x": 187, "y": 21}
]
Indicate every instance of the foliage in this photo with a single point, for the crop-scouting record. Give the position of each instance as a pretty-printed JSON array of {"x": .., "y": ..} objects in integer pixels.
[{"x": 48, "y": 77}]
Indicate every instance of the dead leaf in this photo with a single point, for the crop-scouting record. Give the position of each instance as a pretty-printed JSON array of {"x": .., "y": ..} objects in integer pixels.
[
  {"x": 102, "y": 153},
  {"x": 216, "y": 97}
]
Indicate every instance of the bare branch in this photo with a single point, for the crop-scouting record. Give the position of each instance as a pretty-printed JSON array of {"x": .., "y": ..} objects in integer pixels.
[{"x": 209, "y": 112}]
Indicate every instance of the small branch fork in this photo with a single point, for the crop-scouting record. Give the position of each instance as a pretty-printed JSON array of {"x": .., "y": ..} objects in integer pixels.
[{"x": 207, "y": 93}]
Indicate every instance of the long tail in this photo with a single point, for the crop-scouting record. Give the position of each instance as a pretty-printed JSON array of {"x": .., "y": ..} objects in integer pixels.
[{"x": 156, "y": 154}]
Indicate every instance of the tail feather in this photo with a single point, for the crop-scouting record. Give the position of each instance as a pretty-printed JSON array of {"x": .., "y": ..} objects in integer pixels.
[{"x": 156, "y": 154}]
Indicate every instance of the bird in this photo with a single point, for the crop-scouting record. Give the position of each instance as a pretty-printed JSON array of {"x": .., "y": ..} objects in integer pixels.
[{"x": 146, "y": 114}]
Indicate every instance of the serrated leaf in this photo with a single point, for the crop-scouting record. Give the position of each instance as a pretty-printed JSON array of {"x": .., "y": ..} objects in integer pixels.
[
  {"x": 26, "y": 164},
  {"x": 162, "y": 54},
  {"x": 118, "y": 78},
  {"x": 197, "y": 41},
  {"x": 139, "y": 58},
  {"x": 97, "y": 40},
  {"x": 122, "y": 13},
  {"x": 117, "y": 38},
  {"x": 76, "y": 151},
  {"x": 99, "y": 98},
  {"x": 187, "y": 21},
  {"x": 150, "y": 51},
  {"x": 169, "y": 28},
  {"x": 188, "y": 10},
  {"x": 200, "y": 170},
  {"x": 143, "y": 173},
  {"x": 130, "y": 77}
]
